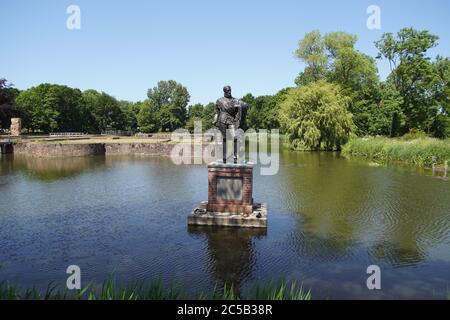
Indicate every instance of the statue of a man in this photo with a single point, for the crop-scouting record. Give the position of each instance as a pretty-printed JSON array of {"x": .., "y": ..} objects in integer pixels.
[{"x": 230, "y": 115}]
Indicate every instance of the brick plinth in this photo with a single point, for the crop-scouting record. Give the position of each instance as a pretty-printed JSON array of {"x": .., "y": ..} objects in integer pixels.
[{"x": 230, "y": 188}]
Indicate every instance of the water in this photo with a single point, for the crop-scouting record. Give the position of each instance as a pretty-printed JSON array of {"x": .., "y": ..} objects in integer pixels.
[{"x": 329, "y": 218}]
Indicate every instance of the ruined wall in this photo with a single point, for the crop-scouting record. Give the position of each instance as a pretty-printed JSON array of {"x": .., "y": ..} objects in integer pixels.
[
  {"x": 37, "y": 149},
  {"x": 16, "y": 127},
  {"x": 59, "y": 149}
]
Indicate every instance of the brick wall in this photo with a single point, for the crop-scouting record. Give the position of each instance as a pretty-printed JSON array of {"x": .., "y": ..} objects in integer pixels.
[{"x": 216, "y": 204}]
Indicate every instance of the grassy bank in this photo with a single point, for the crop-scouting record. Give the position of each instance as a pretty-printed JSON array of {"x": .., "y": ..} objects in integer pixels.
[
  {"x": 155, "y": 290},
  {"x": 418, "y": 151}
]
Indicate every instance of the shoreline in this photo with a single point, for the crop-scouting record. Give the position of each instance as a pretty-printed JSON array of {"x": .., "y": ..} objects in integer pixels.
[{"x": 420, "y": 152}]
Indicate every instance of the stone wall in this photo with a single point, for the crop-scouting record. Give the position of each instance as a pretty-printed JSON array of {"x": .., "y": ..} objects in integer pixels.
[
  {"x": 160, "y": 149},
  {"x": 59, "y": 149},
  {"x": 47, "y": 149}
]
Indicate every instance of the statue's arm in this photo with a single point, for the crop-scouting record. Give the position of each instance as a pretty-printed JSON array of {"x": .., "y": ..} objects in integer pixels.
[{"x": 216, "y": 115}]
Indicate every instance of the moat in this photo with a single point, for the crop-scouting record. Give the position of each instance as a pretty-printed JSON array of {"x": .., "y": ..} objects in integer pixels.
[{"x": 330, "y": 218}]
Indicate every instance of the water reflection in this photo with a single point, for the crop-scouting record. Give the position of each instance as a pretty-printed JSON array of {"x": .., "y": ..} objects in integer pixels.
[
  {"x": 52, "y": 169},
  {"x": 341, "y": 205},
  {"x": 230, "y": 251}
]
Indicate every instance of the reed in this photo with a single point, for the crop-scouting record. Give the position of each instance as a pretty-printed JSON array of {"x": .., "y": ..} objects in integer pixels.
[
  {"x": 155, "y": 290},
  {"x": 418, "y": 151}
]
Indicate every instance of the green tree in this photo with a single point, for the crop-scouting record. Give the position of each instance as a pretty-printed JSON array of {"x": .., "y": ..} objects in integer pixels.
[
  {"x": 420, "y": 81},
  {"x": 333, "y": 58},
  {"x": 130, "y": 111},
  {"x": 105, "y": 110},
  {"x": 147, "y": 118},
  {"x": 52, "y": 107},
  {"x": 199, "y": 112},
  {"x": 8, "y": 95},
  {"x": 208, "y": 115},
  {"x": 169, "y": 100},
  {"x": 311, "y": 51},
  {"x": 263, "y": 110},
  {"x": 316, "y": 116},
  {"x": 195, "y": 113},
  {"x": 386, "y": 116}
]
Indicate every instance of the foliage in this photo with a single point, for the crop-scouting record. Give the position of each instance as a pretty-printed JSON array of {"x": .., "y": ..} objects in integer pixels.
[
  {"x": 418, "y": 151},
  {"x": 263, "y": 110},
  {"x": 421, "y": 82},
  {"x": 333, "y": 58},
  {"x": 155, "y": 290},
  {"x": 7, "y": 96},
  {"x": 316, "y": 116},
  {"x": 130, "y": 111},
  {"x": 201, "y": 113},
  {"x": 52, "y": 107},
  {"x": 386, "y": 116},
  {"x": 147, "y": 118},
  {"x": 169, "y": 100},
  {"x": 105, "y": 111}
]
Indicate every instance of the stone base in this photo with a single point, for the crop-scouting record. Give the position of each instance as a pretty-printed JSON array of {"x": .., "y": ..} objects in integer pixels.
[{"x": 256, "y": 219}]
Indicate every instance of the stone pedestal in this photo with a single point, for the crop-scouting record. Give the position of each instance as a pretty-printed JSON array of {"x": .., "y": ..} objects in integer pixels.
[
  {"x": 230, "y": 198},
  {"x": 16, "y": 127}
]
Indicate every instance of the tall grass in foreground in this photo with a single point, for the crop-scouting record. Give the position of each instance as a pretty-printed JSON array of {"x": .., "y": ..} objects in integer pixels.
[
  {"x": 155, "y": 290},
  {"x": 384, "y": 150}
]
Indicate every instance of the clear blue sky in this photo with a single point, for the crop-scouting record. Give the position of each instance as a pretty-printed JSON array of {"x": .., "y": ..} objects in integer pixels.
[{"x": 125, "y": 47}]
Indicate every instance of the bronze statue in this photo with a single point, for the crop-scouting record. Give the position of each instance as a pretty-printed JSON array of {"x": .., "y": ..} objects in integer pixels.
[{"x": 230, "y": 115}]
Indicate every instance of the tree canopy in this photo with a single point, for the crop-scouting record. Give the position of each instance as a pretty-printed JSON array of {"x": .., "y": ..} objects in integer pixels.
[
  {"x": 316, "y": 116},
  {"x": 169, "y": 100}
]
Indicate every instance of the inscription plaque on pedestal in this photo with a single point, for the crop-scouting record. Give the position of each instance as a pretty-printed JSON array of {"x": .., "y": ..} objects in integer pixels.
[{"x": 229, "y": 189}]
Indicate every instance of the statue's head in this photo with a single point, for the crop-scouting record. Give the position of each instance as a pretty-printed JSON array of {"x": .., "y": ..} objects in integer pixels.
[{"x": 227, "y": 91}]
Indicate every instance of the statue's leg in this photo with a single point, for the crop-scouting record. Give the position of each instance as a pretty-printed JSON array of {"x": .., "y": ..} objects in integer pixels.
[
  {"x": 235, "y": 150},
  {"x": 224, "y": 149},
  {"x": 223, "y": 130}
]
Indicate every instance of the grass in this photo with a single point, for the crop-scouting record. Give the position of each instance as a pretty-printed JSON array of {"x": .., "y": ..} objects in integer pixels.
[
  {"x": 155, "y": 290},
  {"x": 419, "y": 151}
]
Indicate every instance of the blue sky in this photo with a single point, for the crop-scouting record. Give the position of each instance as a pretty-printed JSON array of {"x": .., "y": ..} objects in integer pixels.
[{"x": 126, "y": 47}]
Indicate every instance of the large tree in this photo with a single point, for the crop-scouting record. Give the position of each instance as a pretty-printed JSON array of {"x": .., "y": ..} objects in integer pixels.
[
  {"x": 52, "y": 107},
  {"x": 105, "y": 110},
  {"x": 169, "y": 100},
  {"x": 130, "y": 111},
  {"x": 420, "y": 81},
  {"x": 333, "y": 58},
  {"x": 7, "y": 96},
  {"x": 200, "y": 113},
  {"x": 316, "y": 116},
  {"x": 147, "y": 118},
  {"x": 386, "y": 116},
  {"x": 263, "y": 110}
]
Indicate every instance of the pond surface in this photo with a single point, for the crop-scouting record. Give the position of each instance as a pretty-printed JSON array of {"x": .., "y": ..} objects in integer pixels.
[{"x": 329, "y": 219}]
